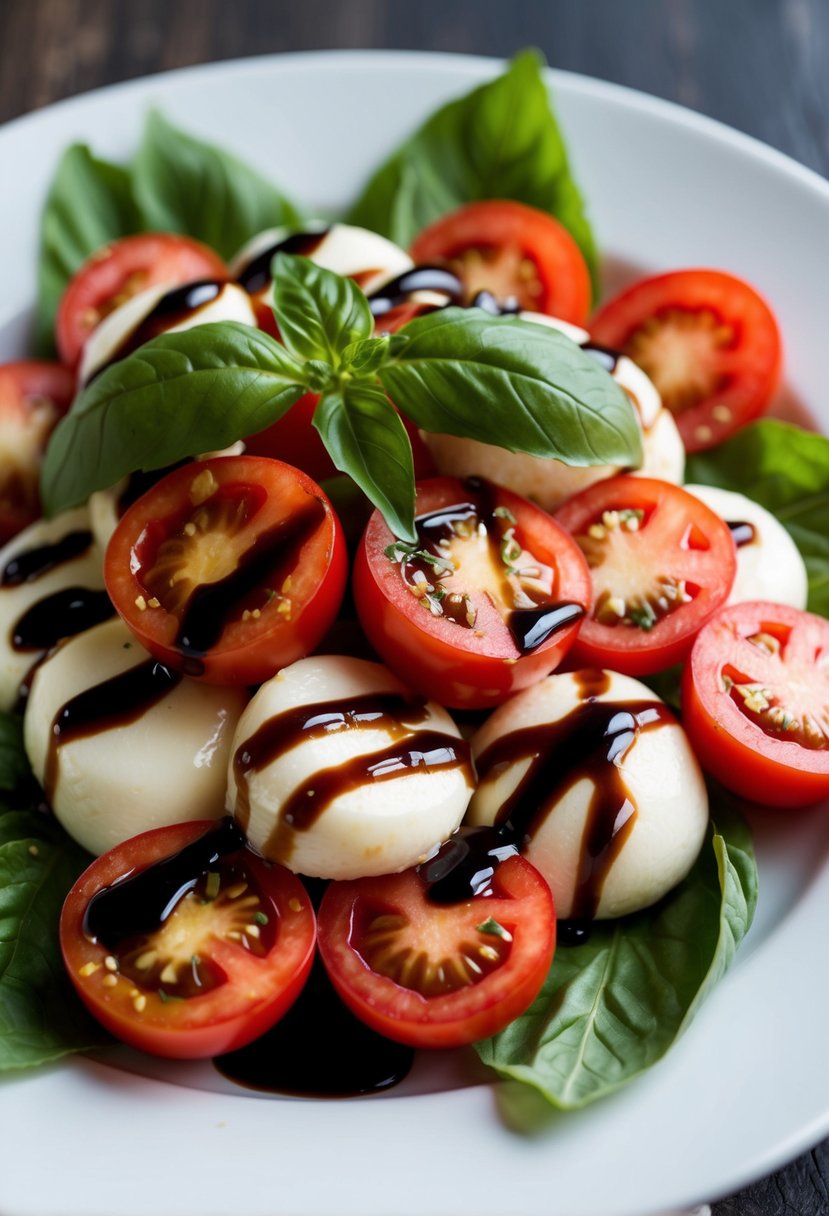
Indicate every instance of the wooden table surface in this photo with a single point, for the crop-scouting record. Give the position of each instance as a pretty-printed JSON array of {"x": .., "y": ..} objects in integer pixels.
[{"x": 759, "y": 65}]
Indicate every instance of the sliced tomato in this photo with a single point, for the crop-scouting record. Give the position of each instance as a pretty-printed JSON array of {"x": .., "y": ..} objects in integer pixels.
[
  {"x": 228, "y": 568},
  {"x": 185, "y": 946},
  {"x": 755, "y": 702},
  {"x": 120, "y": 270},
  {"x": 662, "y": 563},
  {"x": 515, "y": 253},
  {"x": 435, "y": 975},
  {"x": 707, "y": 340},
  {"x": 488, "y": 601},
  {"x": 33, "y": 398}
]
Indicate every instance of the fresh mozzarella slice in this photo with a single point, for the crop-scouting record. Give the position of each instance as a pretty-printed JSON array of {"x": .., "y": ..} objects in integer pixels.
[
  {"x": 339, "y": 772},
  {"x": 769, "y": 565},
  {"x": 614, "y": 806},
  {"x": 51, "y": 585},
  {"x": 117, "y": 333},
  {"x": 120, "y": 745}
]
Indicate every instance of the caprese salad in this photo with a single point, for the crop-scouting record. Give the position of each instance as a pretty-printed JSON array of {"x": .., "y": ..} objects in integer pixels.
[{"x": 336, "y": 639}]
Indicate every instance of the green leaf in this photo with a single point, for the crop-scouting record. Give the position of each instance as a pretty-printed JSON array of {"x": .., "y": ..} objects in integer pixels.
[
  {"x": 612, "y": 1007},
  {"x": 499, "y": 141},
  {"x": 365, "y": 357},
  {"x": 180, "y": 394},
  {"x": 184, "y": 185},
  {"x": 89, "y": 203},
  {"x": 786, "y": 470},
  {"x": 15, "y": 773},
  {"x": 319, "y": 313},
  {"x": 366, "y": 439},
  {"x": 505, "y": 381}
]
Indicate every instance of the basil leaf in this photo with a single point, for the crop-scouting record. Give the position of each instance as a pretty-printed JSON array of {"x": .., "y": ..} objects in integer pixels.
[
  {"x": 180, "y": 394},
  {"x": 184, "y": 185},
  {"x": 786, "y": 470},
  {"x": 499, "y": 141},
  {"x": 15, "y": 773},
  {"x": 508, "y": 382},
  {"x": 612, "y": 1007},
  {"x": 318, "y": 313},
  {"x": 89, "y": 203},
  {"x": 366, "y": 438}
]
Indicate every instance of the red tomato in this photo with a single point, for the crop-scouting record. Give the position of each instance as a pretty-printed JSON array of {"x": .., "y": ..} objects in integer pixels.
[
  {"x": 708, "y": 341},
  {"x": 501, "y": 621},
  {"x": 228, "y": 568},
  {"x": 662, "y": 563},
  {"x": 33, "y": 397},
  {"x": 434, "y": 975},
  {"x": 216, "y": 972},
  {"x": 515, "y": 253},
  {"x": 755, "y": 702},
  {"x": 120, "y": 270}
]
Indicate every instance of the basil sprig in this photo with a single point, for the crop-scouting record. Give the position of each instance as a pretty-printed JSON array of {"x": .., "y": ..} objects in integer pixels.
[{"x": 498, "y": 379}]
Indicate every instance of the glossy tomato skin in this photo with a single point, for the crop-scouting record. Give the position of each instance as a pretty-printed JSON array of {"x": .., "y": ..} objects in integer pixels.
[
  {"x": 257, "y": 990},
  {"x": 771, "y": 766},
  {"x": 725, "y": 339},
  {"x": 676, "y": 539},
  {"x": 276, "y": 618},
  {"x": 519, "y": 901},
  {"x": 532, "y": 257},
  {"x": 121, "y": 269},
  {"x": 34, "y": 396},
  {"x": 454, "y": 665}
]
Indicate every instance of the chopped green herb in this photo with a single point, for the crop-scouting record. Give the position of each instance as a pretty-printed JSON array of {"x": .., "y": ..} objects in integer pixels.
[
  {"x": 643, "y": 616},
  {"x": 505, "y": 513},
  {"x": 491, "y": 927},
  {"x": 211, "y": 887},
  {"x": 260, "y": 918},
  {"x": 167, "y": 997},
  {"x": 401, "y": 551}
]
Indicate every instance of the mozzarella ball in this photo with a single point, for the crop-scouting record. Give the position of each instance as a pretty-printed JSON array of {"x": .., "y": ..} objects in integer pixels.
[
  {"x": 333, "y": 796},
  {"x": 648, "y": 810},
  {"x": 113, "y": 338},
  {"x": 46, "y": 559},
  {"x": 769, "y": 565},
  {"x": 128, "y": 763}
]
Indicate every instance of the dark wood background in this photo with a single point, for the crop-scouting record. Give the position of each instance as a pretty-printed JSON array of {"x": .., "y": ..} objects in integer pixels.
[{"x": 760, "y": 65}]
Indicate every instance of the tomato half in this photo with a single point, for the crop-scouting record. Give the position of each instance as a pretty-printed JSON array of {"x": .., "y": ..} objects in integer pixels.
[
  {"x": 755, "y": 702},
  {"x": 515, "y": 253},
  {"x": 120, "y": 270},
  {"x": 486, "y": 603},
  {"x": 434, "y": 975},
  {"x": 707, "y": 340},
  {"x": 206, "y": 974},
  {"x": 661, "y": 562},
  {"x": 33, "y": 398},
  {"x": 228, "y": 568}
]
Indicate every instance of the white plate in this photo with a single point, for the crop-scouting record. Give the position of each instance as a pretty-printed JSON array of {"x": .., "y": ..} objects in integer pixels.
[{"x": 746, "y": 1088}]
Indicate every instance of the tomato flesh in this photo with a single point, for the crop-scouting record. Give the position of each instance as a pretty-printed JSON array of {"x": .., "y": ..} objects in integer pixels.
[
  {"x": 519, "y": 255},
  {"x": 755, "y": 702},
  {"x": 707, "y": 340},
  {"x": 434, "y": 975},
  {"x": 228, "y": 568},
  {"x": 660, "y": 568},
  {"x": 221, "y": 967}
]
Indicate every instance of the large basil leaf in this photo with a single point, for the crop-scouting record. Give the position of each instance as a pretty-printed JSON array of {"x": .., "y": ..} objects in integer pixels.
[
  {"x": 319, "y": 313},
  {"x": 89, "y": 203},
  {"x": 185, "y": 185},
  {"x": 499, "y": 141},
  {"x": 786, "y": 470},
  {"x": 612, "y": 1007},
  {"x": 505, "y": 381},
  {"x": 15, "y": 774},
  {"x": 180, "y": 394},
  {"x": 366, "y": 439}
]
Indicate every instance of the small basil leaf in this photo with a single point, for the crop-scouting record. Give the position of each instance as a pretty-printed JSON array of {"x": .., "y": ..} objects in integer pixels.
[
  {"x": 319, "y": 313},
  {"x": 508, "y": 382},
  {"x": 499, "y": 141},
  {"x": 89, "y": 203},
  {"x": 364, "y": 358},
  {"x": 15, "y": 772},
  {"x": 365, "y": 438},
  {"x": 180, "y": 394},
  {"x": 786, "y": 470},
  {"x": 185, "y": 185}
]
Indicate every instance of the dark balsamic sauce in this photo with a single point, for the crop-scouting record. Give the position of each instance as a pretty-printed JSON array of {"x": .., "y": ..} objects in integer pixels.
[
  {"x": 63, "y": 614},
  {"x": 140, "y": 482},
  {"x": 604, "y": 355},
  {"x": 531, "y": 627},
  {"x": 256, "y": 276},
  {"x": 464, "y": 865},
  {"x": 742, "y": 533},
  {"x": 32, "y": 564},
  {"x": 573, "y": 932},
  {"x": 421, "y": 278}
]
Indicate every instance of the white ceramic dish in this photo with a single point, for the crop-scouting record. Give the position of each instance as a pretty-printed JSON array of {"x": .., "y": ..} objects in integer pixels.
[{"x": 746, "y": 1087}]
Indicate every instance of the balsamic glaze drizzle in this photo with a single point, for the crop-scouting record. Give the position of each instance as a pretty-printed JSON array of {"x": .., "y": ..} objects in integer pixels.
[
  {"x": 32, "y": 564},
  {"x": 742, "y": 533},
  {"x": 256, "y": 275},
  {"x": 63, "y": 614}
]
